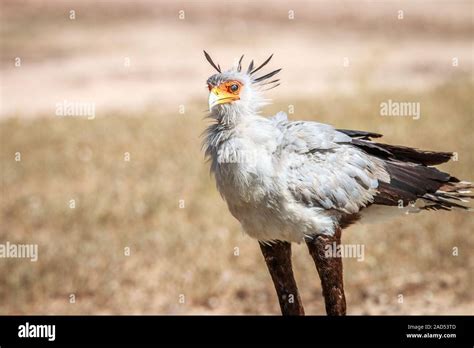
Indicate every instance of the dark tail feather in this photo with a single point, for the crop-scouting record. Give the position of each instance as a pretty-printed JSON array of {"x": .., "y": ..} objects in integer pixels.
[
  {"x": 450, "y": 194},
  {"x": 410, "y": 182},
  {"x": 403, "y": 153},
  {"x": 360, "y": 134}
]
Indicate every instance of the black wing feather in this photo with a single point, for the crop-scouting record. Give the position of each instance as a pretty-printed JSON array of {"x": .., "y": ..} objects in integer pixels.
[{"x": 411, "y": 176}]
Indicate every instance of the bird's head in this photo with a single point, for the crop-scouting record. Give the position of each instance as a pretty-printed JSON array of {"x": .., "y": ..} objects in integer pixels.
[{"x": 238, "y": 91}]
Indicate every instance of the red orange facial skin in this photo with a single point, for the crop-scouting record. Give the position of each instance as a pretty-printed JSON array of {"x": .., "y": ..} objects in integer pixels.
[{"x": 225, "y": 87}]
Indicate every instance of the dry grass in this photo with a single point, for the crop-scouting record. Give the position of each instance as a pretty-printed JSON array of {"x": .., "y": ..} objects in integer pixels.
[{"x": 190, "y": 251}]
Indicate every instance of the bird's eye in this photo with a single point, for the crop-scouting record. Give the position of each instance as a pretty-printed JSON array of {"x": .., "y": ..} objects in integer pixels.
[
  {"x": 209, "y": 86},
  {"x": 234, "y": 87}
]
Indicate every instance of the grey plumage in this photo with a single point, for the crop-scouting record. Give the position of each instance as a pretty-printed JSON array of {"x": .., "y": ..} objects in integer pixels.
[{"x": 290, "y": 180}]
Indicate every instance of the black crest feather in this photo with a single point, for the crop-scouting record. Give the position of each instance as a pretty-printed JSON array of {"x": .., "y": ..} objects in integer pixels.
[
  {"x": 261, "y": 66},
  {"x": 267, "y": 76},
  {"x": 209, "y": 59},
  {"x": 239, "y": 69},
  {"x": 262, "y": 80},
  {"x": 250, "y": 67}
]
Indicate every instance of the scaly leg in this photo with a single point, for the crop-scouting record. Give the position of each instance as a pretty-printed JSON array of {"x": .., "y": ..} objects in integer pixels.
[
  {"x": 330, "y": 272},
  {"x": 278, "y": 258}
]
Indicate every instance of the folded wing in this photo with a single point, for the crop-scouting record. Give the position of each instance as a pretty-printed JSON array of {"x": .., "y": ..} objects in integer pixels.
[{"x": 345, "y": 171}]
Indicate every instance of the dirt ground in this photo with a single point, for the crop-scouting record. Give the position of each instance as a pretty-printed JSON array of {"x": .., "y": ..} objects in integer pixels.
[{"x": 142, "y": 66}]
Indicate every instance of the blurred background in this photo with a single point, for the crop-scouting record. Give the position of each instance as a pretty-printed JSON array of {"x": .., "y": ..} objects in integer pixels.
[{"x": 149, "y": 233}]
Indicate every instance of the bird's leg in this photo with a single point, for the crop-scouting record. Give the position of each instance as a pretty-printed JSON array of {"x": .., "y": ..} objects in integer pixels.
[
  {"x": 278, "y": 258},
  {"x": 329, "y": 267}
]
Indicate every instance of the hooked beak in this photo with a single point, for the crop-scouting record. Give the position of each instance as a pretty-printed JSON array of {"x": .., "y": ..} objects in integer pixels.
[{"x": 218, "y": 96}]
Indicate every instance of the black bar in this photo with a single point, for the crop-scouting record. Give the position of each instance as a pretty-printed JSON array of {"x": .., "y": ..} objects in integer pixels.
[{"x": 261, "y": 330}]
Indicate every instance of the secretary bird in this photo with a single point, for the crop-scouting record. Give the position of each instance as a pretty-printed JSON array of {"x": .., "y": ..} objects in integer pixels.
[{"x": 294, "y": 181}]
